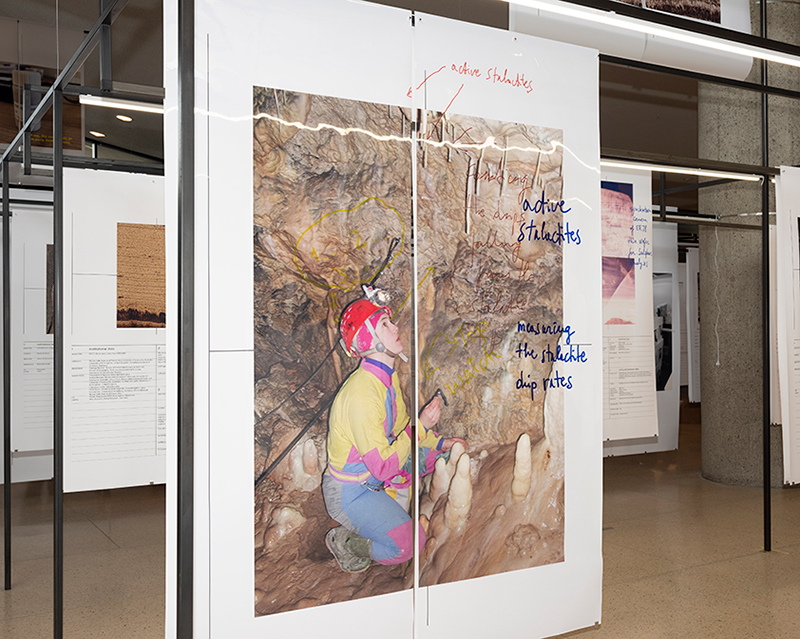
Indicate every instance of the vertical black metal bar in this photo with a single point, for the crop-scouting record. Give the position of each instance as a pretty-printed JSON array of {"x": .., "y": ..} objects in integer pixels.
[
  {"x": 106, "y": 83},
  {"x": 765, "y": 319},
  {"x": 186, "y": 89},
  {"x": 6, "y": 377},
  {"x": 662, "y": 203},
  {"x": 58, "y": 367},
  {"x": 26, "y": 140}
]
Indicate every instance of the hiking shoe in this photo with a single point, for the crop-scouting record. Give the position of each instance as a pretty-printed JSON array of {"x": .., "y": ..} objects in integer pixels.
[{"x": 337, "y": 542}]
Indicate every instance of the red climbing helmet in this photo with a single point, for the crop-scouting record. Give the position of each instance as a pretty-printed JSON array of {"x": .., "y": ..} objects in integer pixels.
[{"x": 353, "y": 318}]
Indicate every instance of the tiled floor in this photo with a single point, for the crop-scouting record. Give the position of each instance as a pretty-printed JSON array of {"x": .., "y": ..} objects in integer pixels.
[
  {"x": 683, "y": 557},
  {"x": 113, "y": 564}
]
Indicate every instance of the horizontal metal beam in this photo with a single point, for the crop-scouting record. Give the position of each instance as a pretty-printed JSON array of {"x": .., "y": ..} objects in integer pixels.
[
  {"x": 694, "y": 163},
  {"x": 144, "y": 156},
  {"x": 30, "y": 202},
  {"x": 82, "y": 162},
  {"x": 31, "y": 187},
  {"x": 107, "y": 16},
  {"x": 700, "y": 77},
  {"x": 704, "y": 221},
  {"x": 691, "y": 187}
]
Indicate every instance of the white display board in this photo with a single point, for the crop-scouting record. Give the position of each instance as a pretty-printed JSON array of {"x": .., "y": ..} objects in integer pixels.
[
  {"x": 774, "y": 356},
  {"x": 31, "y": 345},
  {"x": 563, "y": 596},
  {"x": 629, "y": 376},
  {"x": 693, "y": 322},
  {"x": 684, "y": 376},
  {"x": 384, "y": 56},
  {"x": 665, "y": 312},
  {"x": 115, "y": 377},
  {"x": 787, "y": 190}
]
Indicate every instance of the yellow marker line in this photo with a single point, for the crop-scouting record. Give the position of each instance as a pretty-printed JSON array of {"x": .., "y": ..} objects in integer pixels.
[
  {"x": 397, "y": 310},
  {"x": 353, "y": 284}
]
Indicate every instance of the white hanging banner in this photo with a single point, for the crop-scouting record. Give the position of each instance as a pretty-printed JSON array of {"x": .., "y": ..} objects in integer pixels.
[
  {"x": 693, "y": 322},
  {"x": 31, "y": 331},
  {"x": 307, "y": 116},
  {"x": 509, "y": 223},
  {"x": 667, "y": 322},
  {"x": 774, "y": 357},
  {"x": 114, "y": 330},
  {"x": 684, "y": 376},
  {"x": 629, "y": 374},
  {"x": 787, "y": 191}
]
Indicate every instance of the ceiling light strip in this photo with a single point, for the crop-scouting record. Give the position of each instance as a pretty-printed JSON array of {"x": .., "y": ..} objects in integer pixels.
[
  {"x": 680, "y": 170},
  {"x": 669, "y": 33},
  {"x": 115, "y": 103}
]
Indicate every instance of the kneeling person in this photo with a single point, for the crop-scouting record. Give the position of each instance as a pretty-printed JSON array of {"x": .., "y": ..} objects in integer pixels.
[{"x": 370, "y": 446}]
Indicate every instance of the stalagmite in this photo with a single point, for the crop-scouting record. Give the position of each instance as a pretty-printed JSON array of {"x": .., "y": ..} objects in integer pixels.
[
  {"x": 304, "y": 466},
  {"x": 424, "y": 522},
  {"x": 522, "y": 469},
  {"x": 455, "y": 454},
  {"x": 430, "y": 546},
  {"x": 441, "y": 480},
  {"x": 284, "y": 520},
  {"x": 459, "y": 500},
  {"x": 310, "y": 457}
]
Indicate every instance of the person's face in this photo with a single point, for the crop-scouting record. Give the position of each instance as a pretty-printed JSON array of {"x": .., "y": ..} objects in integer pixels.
[{"x": 389, "y": 334}]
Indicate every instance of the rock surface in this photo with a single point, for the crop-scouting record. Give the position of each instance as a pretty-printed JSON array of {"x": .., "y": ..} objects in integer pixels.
[
  {"x": 330, "y": 191},
  {"x": 332, "y": 186},
  {"x": 491, "y": 220}
]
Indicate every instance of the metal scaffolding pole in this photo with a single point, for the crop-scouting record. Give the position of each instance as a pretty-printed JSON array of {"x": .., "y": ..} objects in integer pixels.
[
  {"x": 58, "y": 367},
  {"x": 765, "y": 319},
  {"x": 186, "y": 184},
  {"x": 6, "y": 377}
]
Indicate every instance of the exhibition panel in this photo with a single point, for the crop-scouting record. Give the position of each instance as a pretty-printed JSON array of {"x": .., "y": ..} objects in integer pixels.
[
  {"x": 629, "y": 375},
  {"x": 509, "y": 235},
  {"x": 32, "y": 333},
  {"x": 317, "y": 153},
  {"x": 114, "y": 337},
  {"x": 693, "y": 322},
  {"x": 667, "y": 330},
  {"x": 788, "y": 327},
  {"x": 383, "y": 163}
]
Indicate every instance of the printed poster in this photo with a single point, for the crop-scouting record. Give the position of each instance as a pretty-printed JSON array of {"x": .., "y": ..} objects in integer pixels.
[
  {"x": 334, "y": 166},
  {"x": 331, "y": 207},
  {"x": 332, "y": 191},
  {"x": 492, "y": 225},
  {"x": 630, "y": 344}
]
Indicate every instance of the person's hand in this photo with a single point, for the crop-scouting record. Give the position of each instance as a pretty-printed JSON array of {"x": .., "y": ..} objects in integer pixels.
[
  {"x": 429, "y": 416},
  {"x": 448, "y": 443}
]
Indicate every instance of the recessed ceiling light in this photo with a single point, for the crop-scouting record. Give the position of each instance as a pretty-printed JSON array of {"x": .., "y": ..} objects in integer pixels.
[
  {"x": 97, "y": 134},
  {"x": 124, "y": 118}
]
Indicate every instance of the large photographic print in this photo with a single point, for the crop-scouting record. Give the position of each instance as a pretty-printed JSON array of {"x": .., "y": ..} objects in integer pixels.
[
  {"x": 332, "y": 215},
  {"x": 492, "y": 224}
]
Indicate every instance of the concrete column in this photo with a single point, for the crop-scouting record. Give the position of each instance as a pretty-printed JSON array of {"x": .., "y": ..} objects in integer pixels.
[{"x": 729, "y": 129}]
